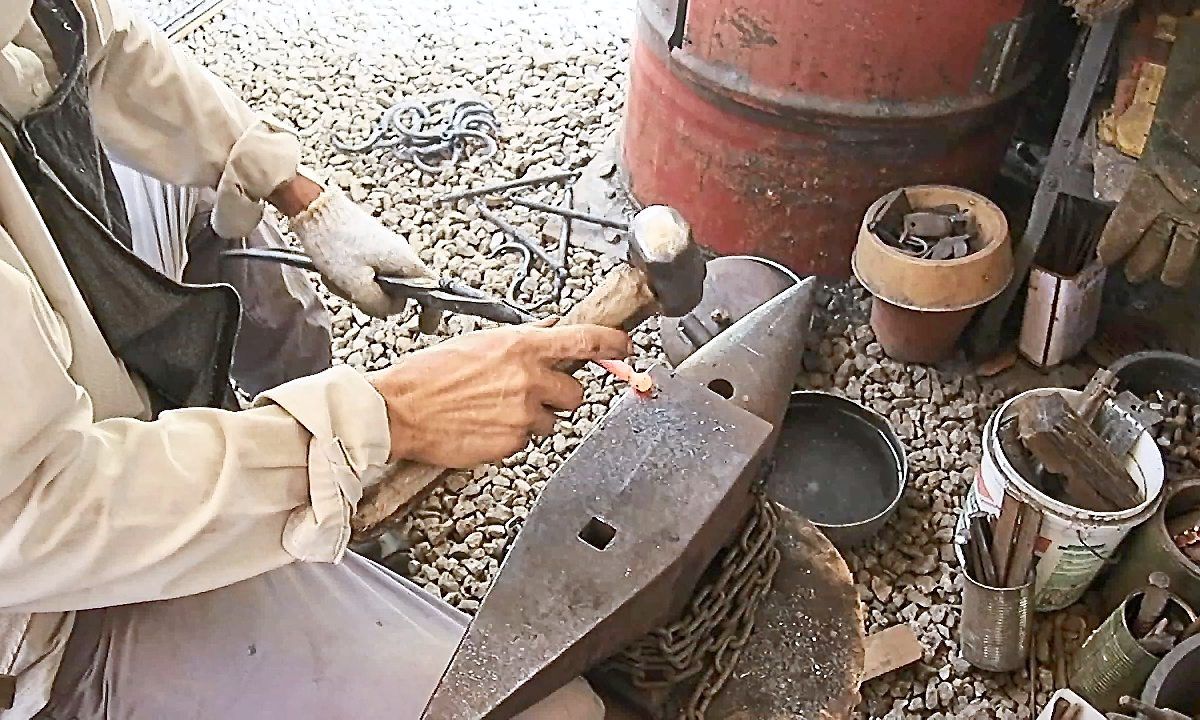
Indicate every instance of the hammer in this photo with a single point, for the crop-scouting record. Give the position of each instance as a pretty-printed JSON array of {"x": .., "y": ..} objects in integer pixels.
[{"x": 664, "y": 274}]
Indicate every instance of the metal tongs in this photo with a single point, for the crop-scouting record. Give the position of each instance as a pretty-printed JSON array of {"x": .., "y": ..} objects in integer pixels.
[{"x": 432, "y": 294}]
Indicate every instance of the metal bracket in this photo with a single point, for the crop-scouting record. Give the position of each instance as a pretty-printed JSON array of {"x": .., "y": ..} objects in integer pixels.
[
  {"x": 679, "y": 32},
  {"x": 985, "y": 338}
]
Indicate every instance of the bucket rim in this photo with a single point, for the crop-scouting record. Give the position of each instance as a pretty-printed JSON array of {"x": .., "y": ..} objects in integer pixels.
[
  {"x": 1133, "y": 515},
  {"x": 1018, "y": 590}
]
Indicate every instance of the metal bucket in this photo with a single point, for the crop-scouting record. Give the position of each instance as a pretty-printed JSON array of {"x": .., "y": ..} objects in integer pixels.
[
  {"x": 1150, "y": 549},
  {"x": 1111, "y": 662},
  {"x": 1144, "y": 372},
  {"x": 1175, "y": 683},
  {"x": 1074, "y": 544},
  {"x": 996, "y": 625},
  {"x": 838, "y": 464}
]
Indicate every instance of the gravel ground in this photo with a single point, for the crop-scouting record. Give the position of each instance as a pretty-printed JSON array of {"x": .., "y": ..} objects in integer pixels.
[
  {"x": 554, "y": 71},
  {"x": 161, "y": 12}
]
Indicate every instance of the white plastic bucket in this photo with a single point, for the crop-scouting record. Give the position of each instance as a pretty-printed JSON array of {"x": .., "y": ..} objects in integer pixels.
[{"x": 1074, "y": 544}]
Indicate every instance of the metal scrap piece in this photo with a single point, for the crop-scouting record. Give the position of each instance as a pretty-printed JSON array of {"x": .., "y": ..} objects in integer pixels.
[
  {"x": 1120, "y": 426},
  {"x": 806, "y": 655},
  {"x": 926, "y": 223}
]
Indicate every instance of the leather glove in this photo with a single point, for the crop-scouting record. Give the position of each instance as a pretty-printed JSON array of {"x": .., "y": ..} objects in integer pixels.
[
  {"x": 349, "y": 247},
  {"x": 1153, "y": 232},
  {"x": 1156, "y": 226}
]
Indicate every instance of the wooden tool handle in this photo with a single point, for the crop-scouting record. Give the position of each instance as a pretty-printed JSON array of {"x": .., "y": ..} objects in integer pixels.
[{"x": 621, "y": 300}]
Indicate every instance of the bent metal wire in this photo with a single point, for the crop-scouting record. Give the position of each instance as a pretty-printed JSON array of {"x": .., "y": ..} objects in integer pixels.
[{"x": 433, "y": 136}]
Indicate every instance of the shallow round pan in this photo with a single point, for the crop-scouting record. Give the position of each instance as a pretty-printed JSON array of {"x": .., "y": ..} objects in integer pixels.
[{"x": 840, "y": 465}]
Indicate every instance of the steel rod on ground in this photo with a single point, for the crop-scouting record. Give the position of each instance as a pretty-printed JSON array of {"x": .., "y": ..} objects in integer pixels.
[{"x": 198, "y": 13}]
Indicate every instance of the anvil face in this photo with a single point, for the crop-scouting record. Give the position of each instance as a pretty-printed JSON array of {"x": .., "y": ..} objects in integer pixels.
[{"x": 618, "y": 537}]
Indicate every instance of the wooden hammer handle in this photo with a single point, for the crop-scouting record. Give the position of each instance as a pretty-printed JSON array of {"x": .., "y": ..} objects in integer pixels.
[{"x": 621, "y": 300}]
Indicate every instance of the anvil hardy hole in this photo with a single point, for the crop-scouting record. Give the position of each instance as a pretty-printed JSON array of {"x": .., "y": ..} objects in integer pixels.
[
  {"x": 722, "y": 387},
  {"x": 597, "y": 533}
]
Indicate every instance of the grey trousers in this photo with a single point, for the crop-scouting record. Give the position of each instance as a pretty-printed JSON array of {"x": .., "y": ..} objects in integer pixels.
[
  {"x": 285, "y": 329},
  {"x": 305, "y": 642}
]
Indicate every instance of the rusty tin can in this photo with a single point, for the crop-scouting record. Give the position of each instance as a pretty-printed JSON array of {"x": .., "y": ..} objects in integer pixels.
[
  {"x": 996, "y": 626},
  {"x": 1150, "y": 548},
  {"x": 1112, "y": 662}
]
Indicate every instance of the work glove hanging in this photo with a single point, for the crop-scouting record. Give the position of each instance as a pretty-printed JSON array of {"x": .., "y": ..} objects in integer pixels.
[
  {"x": 349, "y": 248},
  {"x": 1156, "y": 226}
]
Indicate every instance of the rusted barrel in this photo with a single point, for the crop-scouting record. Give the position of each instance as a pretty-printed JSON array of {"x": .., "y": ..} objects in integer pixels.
[{"x": 775, "y": 123}]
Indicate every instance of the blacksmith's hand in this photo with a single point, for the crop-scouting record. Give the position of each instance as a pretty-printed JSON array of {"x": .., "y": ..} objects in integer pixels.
[
  {"x": 480, "y": 397},
  {"x": 349, "y": 247}
]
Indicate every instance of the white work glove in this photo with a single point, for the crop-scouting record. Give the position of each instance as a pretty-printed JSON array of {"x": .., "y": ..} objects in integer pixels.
[{"x": 349, "y": 247}]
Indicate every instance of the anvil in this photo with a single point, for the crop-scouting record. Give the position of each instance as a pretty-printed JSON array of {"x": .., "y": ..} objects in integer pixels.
[{"x": 624, "y": 530}]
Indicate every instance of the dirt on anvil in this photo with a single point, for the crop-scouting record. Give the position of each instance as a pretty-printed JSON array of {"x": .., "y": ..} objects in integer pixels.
[{"x": 805, "y": 658}]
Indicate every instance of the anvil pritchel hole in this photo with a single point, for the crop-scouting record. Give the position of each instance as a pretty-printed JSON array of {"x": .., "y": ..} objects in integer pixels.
[
  {"x": 722, "y": 387},
  {"x": 597, "y": 533}
]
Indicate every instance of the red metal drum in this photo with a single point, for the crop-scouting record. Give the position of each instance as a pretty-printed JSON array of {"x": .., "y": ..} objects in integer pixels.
[{"x": 777, "y": 122}]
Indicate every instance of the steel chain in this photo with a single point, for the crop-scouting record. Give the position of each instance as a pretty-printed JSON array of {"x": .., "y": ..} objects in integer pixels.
[
  {"x": 433, "y": 135},
  {"x": 708, "y": 639}
]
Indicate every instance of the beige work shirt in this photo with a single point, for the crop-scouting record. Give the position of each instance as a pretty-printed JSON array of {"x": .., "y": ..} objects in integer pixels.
[{"x": 99, "y": 507}]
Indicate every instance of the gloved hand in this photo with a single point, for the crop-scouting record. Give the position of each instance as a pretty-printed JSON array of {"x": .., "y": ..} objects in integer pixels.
[
  {"x": 1153, "y": 232},
  {"x": 479, "y": 397},
  {"x": 1156, "y": 226},
  {"x": 349, "y": 247}
]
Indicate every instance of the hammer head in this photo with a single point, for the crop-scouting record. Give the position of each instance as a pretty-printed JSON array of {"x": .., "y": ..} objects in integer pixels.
[{"x": 661, "y": 246}]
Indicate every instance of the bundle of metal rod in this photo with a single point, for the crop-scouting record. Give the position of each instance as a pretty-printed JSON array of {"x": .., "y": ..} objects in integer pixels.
[
  {"x": 1002, "y": 556},
  {"x": 1074, "y": 232},
  {"x": 979, "y": 553}
]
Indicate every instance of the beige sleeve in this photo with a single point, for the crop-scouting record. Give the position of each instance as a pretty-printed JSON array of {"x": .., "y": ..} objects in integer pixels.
[
  {"x": 158, "y": 111},
  {"x": 104, "y": 513}
]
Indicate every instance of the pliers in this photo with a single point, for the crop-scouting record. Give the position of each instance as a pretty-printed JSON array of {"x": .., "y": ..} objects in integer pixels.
[{"x": 432, "y": 294}]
